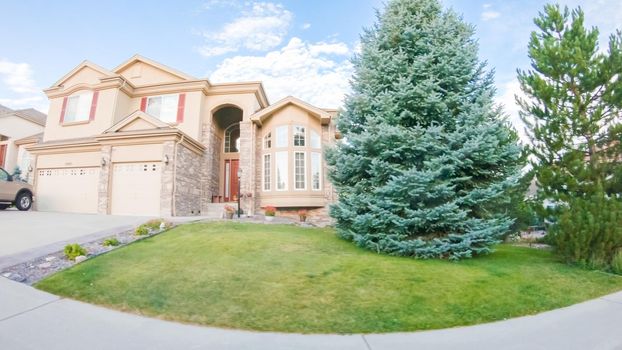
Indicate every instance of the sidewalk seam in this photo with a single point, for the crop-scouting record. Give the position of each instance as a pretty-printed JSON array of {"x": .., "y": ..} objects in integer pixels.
[
  {"x": 29, "y": 310},
  {"x": 365, "y": 341}
]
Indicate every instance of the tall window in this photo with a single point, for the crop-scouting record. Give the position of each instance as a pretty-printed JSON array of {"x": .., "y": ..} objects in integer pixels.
[
  {"x": 316, "y": 171},
  {"x": 299, "y": 136},
  {"x": 267, "y": 141},
  {"x": 299, "y": 171},
  {"x": 281, "y": 136},
  {"x": 280, "y": 163},
  {"x": 315, "y": 140},
  {"x": 232, "y": 139},
  {"x": 78, "y": 107},
  {"x": 163, "y": 107},
  {"x": 266, "y": 172}
]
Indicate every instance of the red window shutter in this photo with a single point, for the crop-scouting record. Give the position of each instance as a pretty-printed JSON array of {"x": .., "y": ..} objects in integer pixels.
[
  {"x": 180, "y": 108},
  {"x": 143, "y": 104},
  {"x": 62, "y": 111},
  {"x": 93, "y": 105}
]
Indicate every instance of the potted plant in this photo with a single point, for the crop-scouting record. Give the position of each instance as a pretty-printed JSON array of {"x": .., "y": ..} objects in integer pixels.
[
  {"x": 302, "y": 215},
  {"x": 270, "y": 212},
  {"x": 229, "y": 211}
]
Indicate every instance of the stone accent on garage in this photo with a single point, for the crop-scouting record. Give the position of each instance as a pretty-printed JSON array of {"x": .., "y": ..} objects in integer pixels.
[
  {"x": 103, "y": 197},
  {"x": 166, "y": 194},
  {"x": 187, "y": 182}
]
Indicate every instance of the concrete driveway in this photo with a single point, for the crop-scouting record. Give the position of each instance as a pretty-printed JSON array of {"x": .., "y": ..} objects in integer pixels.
[{"x": 30, "y": 234}]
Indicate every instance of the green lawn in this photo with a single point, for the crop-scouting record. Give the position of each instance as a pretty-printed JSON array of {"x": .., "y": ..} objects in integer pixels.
[{"x": 285, "y": 278}]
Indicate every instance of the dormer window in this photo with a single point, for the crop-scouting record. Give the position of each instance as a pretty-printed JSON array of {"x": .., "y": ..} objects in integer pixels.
[
  {"x": 163, "y": 107},
  {"x": 78, "y": 107}
]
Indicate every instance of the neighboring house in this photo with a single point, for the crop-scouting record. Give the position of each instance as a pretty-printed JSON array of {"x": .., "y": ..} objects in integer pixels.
[
  {"x": 19, "y": 129},
  {"x": 145, "y": 139}
]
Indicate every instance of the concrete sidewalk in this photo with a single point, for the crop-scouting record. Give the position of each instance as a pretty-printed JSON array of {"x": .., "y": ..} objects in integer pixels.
[{"x": 31, "y": 319}]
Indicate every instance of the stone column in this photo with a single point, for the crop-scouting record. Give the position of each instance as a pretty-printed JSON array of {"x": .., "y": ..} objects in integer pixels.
[
  {"x": 166, "y": 194},
  {"x": 247, "y": 151},
  {"x": 103, "y": 189}
]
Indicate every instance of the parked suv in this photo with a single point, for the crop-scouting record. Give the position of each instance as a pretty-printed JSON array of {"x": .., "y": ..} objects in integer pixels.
[{"x": 14, "y": 192}]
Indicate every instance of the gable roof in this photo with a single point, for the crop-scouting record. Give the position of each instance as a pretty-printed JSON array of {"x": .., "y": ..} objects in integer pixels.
[
  {"x": 139, "y": 58},
  {"x": 265, "y": 113},
  {"x": 30, "y": 114},
  {"x": 134, "y": 116},
  {"x": 4, "y": 109},
  {"x": 82, "y": 65}
]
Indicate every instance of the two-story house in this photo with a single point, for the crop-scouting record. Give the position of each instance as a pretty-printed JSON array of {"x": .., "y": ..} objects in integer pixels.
[
  {"x": 145, "y": 139},
  {"x": 19, "y": 129}
]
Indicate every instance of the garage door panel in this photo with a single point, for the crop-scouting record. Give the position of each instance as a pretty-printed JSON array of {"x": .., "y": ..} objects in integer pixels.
[
  {"x": 73, "y": 190},
  {"x": 136, "y": 188}
]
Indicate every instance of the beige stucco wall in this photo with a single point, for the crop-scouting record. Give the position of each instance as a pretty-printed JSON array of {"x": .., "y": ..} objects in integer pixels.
[
  {"x": 69, "y": 160},
  {"x": 137, "y": 153},
  {"x": 15, "y": 128},
  {"x": 54, "y": 130},
  {"x": 141, "y": 74},
  {"x": 85, "y": 75}
]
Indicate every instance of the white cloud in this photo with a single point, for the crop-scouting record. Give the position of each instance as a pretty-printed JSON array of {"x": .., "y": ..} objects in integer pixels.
[
  {"x": 261, "y": 27},
  {"x": 208, "y": 5},
  {"x": 17, "y": 80},
  {"x": 318, "y": 73},
  {"x": 17, "y": 76},
  {"x": 490, "y": 15},
  {"x": 306, "y": 26},
  {"x": 507, "y": 98}
]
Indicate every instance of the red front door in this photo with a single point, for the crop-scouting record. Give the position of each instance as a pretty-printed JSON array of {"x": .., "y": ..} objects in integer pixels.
[
  {"x": 2, "y": 155},
  {"x": 231, "y": 179}
]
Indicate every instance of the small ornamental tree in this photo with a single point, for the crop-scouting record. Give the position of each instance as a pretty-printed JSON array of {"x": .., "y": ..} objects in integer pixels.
[{"x": 426, "y": 157}]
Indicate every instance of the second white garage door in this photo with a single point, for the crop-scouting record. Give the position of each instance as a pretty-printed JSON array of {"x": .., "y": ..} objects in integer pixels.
[{"x": 136, "y": 188}]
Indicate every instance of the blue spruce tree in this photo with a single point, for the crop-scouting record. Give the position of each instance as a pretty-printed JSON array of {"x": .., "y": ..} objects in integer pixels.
[{"x": 426, "y": 157}]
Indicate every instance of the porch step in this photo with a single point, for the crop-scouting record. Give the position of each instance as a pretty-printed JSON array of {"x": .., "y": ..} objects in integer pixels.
[{"x": 215, "y": 210}]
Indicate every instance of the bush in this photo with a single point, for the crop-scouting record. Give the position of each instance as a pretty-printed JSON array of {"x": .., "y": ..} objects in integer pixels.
[
  {"x": 270, "y": 210},
  {"x": 142, "y": 230},
  {"x": 589, "y": 232},
  {"x": 616, "y": 263},
  {"x": 154, "y": 225},
  {"x": 111, "y": 242},
  {"x": 74, "y": 250}
]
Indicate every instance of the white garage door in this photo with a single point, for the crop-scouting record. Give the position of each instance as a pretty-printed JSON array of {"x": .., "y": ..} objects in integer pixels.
[
  {"x": 136, "y": 188},
  {"x": 71, "y": 190}
]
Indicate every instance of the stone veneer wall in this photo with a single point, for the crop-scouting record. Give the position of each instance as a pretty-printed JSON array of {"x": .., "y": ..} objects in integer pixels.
[
  {"x": 316, "y": 216},
  {"x": 187, "y": 182},
  {"x": 210, "y": 163},
  {"x": 103, "y": 200},
  {"x": 258, "y": 173},
  {"x": 247, "y": 165},
  {"x": 166, "y": 192}
]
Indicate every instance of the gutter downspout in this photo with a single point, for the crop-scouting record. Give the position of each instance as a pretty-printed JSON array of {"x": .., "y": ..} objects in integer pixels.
[{"x": 175, "y": 174}]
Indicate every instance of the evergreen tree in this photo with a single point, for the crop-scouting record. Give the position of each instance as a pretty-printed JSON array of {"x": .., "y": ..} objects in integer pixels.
[
  {"x": 574, "y": 103},
  {"x": 426, "y": 157}
]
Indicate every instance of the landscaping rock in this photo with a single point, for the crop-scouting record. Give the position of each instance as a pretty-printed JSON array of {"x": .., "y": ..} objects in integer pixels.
[
  {"x": 50, "y": 258},
  {"x": 45, "y": 265},
  {"x": 80, "y": 258}
]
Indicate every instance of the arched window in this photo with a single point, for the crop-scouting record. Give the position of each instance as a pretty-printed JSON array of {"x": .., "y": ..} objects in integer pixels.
[{"x": 232, "y": 138}]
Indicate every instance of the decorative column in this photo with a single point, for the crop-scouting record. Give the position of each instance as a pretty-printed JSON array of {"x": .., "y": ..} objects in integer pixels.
[{"x": 103, "y": 189}]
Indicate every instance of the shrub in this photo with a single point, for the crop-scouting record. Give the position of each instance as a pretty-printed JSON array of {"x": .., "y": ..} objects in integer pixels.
[
  {"x": 74, "y": 250},
  {"x": 616, "y": 263},
  {"x": 270, "y": 210},
  {"x": 111, "y": 242},
  {"x": 229, "y": 209},
  {"x": 142, "y": 230},
  {"x": 589, "y": 231},
  {"x": 154, "y": 224}
]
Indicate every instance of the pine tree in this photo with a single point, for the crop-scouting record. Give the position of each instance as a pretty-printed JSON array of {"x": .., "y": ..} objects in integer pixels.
[
  {"x": 426, "y": 156},
  {"x": 573, "y": 106}
]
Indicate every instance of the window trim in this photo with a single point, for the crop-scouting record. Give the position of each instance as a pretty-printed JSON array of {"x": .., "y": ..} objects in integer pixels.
[
  {"x": 319, "y": 155},
  {"x": 230, "y": 130},
  {"x": 295, "y": 134},
  {"x": 267, "y": 188},
  {"x": 267, "y": 138},
  {"x": 276, "y": 138},
  {"x": 286, "y": 172},
  {"x": 79, "y": 96},
  {"x": 304, "y": 171},
  {"x": 159, "y": 117}
]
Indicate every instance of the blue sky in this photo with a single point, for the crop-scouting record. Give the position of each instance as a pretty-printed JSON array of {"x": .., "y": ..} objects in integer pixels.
[{"x": 295, "y": 47}]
